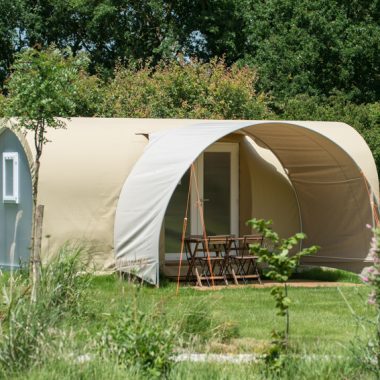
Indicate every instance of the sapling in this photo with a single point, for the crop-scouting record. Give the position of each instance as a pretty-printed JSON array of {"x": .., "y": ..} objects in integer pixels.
[
  {"x": 282, "y": 261},
  {"x": 41, "y": 88}
]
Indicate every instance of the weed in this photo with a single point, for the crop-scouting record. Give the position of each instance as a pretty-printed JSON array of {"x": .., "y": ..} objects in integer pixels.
[
  {"x": 139, "y": 340},
  {"x": 199, "y": 324}
]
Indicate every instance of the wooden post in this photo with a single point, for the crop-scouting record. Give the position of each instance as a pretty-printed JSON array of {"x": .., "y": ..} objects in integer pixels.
[{"x": 36, "y": 259}]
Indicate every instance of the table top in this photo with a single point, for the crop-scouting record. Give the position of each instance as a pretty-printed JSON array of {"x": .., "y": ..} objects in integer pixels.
[{"x": 221, "y": 238}]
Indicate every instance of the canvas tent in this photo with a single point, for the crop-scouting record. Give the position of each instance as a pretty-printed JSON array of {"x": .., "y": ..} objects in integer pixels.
[{"x": 113, "y": 182}]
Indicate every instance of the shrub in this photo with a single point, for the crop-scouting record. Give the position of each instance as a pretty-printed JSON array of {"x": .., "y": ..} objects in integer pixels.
[
  {"x": 281, "y": 261},
  {"x": 185, "y": 89}
]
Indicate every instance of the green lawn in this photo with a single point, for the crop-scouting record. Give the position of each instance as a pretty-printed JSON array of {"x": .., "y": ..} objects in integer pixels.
[
  {"x": 321, "y": 321},
  {"x": 321, "y": 324}
]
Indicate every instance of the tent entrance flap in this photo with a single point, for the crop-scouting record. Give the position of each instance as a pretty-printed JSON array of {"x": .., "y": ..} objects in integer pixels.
[{"x": 308, "y": 151}]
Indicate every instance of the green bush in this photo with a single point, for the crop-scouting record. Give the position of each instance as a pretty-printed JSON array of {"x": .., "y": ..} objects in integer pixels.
[{"x": 180, "y": 89}]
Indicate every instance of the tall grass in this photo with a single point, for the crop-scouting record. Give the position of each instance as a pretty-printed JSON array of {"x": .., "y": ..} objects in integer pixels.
[
  {"x": 27, "y": 328},
  {"x": 66, "y": 280}
]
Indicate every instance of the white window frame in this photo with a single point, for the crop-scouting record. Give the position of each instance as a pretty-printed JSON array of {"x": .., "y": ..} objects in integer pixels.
[{"x": 14, "y": 198}]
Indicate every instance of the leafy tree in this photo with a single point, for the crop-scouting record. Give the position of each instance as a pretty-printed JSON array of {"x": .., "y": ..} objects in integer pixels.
[
  {"x": 9, "y": 34},
  {"x": 213, "y": 28},
  {"x": 41, "y": 88},
  {"x": 298, "y": 47},
  {"x": 314, "y": 47},
  {"x": 108, "y": 30}
]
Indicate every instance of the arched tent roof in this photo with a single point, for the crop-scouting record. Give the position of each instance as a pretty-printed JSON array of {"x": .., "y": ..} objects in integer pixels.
[{"x": 324, "y": 162}]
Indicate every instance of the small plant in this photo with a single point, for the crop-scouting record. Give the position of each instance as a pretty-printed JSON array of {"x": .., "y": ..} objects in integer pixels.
[
  {"x": 139, "y": 340},
  {"x": 282, "y": 263}
]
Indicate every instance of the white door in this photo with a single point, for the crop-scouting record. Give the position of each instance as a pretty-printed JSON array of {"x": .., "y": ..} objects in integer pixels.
[
  {"x": 217, "y": 174},
  {"x": 216, "y": 184}
]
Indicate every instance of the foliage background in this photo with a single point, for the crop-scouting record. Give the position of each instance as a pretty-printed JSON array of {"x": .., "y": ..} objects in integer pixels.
[{"x": 222, "y": 59}]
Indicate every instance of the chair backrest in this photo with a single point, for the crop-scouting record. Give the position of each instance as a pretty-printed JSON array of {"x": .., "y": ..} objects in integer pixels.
[
  {"x": 219, "y": 239},
  {"x": 250, "y": 240},
  {"x": 219, "y": 243}
]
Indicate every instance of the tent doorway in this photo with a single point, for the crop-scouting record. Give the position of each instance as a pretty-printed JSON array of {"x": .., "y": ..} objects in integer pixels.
[{"x": 217, "y": 180}]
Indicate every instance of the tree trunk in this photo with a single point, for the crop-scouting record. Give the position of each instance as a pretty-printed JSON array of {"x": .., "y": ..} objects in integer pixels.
[
  {"x": 35, "y": 256},
  {"x": 36, "y": 259}
]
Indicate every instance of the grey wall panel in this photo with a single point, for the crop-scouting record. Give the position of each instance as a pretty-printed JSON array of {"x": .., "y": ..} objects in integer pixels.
[{"x": 9, "y": 211}]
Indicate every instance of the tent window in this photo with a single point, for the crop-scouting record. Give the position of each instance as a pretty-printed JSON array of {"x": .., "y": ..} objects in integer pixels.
[{"x": 10, "y": 177}]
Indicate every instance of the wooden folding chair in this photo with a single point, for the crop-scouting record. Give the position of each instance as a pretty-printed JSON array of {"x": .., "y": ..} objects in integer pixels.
[
  {"x": 215, "y": 265},
  {"x": 244, "y": 264}
]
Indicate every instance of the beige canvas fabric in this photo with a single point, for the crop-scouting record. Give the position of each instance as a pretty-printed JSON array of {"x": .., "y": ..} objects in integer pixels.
[
  {"x": 318, "y": 187},
  {"x": 82, "y": 172},
  {"x": 324, "y": 162},
  {"x": 330, "y": 191},
  {"x": 333, "y": 197}
]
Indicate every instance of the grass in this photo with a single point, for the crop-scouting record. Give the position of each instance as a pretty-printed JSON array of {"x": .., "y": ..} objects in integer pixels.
[
  {"x": 320, "y": 318},
  {"x": 321, "y": 324},
  {"x": 342, "y": 369},
  {"x": 326, "y": 274}
]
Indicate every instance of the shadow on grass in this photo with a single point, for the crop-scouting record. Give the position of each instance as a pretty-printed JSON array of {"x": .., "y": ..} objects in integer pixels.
[{"x": 326, "y": 274}]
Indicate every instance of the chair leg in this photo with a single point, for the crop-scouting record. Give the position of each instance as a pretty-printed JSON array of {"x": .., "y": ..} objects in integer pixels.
[
  {"x": 199, "y": 280},
  {"x": 234, "y": 277},
  {"x": 257, "y": 272}
]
